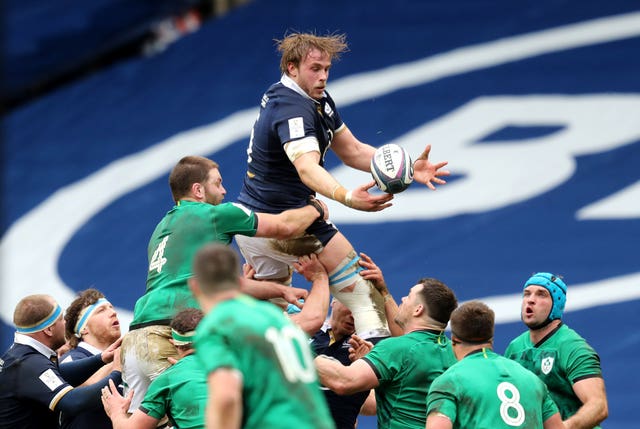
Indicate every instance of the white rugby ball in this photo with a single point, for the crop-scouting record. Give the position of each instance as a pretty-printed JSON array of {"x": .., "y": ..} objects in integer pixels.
[{"x": 392, "y": 168}]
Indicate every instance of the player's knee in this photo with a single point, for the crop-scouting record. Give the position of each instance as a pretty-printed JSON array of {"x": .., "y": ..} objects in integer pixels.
[{"x": 346, "y": 274}]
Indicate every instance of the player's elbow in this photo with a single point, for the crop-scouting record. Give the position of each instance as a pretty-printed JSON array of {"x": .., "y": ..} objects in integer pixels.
[
  {"x": 343, "y": 387},
  {"x": 285, "y": 231},
  {"x": 603, "y": 411},
  {"x": 311, "y": 323}
]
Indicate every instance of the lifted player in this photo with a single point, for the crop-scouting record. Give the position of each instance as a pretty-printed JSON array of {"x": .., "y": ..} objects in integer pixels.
[{"x": 297, "y": 123}]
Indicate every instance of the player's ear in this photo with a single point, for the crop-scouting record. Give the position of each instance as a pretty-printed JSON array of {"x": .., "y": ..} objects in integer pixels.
[
  {"x": 292, "y": 69},
  {"x": 418, "y": 310},
  {"x": 194, "y": 286},
  {"x": 197, "y": 189}
]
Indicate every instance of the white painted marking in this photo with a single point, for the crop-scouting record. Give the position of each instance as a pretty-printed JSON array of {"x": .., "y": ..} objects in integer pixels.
[{"x": 25, "y": 241}]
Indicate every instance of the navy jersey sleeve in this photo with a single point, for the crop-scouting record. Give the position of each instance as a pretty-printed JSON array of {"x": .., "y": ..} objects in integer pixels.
[{"x": 40, "y": 381}]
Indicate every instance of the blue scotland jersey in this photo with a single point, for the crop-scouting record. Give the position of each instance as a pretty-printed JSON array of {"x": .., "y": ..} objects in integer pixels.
[
  {"x": 91, "y": 418},
  {"x": 287, "y": 114},
  {"x": 30, "y": 389}
]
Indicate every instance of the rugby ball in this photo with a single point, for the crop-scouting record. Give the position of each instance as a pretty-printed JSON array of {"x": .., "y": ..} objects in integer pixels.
[{"x": 392, "y": 168}]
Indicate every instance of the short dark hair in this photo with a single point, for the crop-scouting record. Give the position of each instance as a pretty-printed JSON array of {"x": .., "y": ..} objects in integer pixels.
[
  {"x": 217, "y": 268},
  {"x": 473, "y": 322},
  {"x": 189, "y": 170},
  {"x": 438, "y": 298},
  {"x": 32, "y": 309},
  {"x": 84, "y": 299},
  {"x": 186, "y": 320}
]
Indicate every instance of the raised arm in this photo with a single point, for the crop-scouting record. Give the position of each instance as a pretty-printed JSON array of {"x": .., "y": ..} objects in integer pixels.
[
  {"x": 264, "y": 289},
  {"x": 316, "y": 306},
  {"x": 322, "y": 182},
  {"x": 372, "y": 272}
]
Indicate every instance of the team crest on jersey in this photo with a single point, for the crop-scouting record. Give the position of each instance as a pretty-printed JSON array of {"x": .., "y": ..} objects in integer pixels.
[
  {"x": 546, "y": 365},
  {"x": 328, "y": 110}
]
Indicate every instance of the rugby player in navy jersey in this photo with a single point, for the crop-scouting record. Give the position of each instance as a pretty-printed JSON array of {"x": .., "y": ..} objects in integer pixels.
[{"x": 298, "y": 122}]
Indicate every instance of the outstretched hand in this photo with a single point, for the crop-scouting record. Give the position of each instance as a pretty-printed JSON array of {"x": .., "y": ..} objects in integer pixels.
[
  {"x": 427, "y": 173},
  {"x": 361, "y": 199}
]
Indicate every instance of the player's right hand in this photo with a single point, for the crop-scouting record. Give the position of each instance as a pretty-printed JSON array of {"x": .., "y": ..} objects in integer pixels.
[{"x": 362, "y": 200}]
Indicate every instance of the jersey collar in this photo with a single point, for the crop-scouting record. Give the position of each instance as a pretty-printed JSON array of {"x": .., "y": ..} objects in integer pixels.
[
  {"x": 292, "y": 85},
  {"x": 35, "y": 344},
  {"x": 546, "y": 337},
  {"x": 88, "y": 347}
]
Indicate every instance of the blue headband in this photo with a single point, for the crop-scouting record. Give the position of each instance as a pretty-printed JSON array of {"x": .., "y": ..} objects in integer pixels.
[
  {"x": 557, "y": 289},
  {"x": 86, "y": 314},
  {"x": 44, "y": 324}
]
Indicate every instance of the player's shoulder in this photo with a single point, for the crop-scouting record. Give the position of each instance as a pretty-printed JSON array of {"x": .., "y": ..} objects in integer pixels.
[
  {"x": 284, "y": 98},
  {"x": 74, "y": 354},
  {"x": 24, "y": 352},
  {"x": 518, "y": 342},
  {"x": 569, "y": 342},
  {"x": 566, "y": 333}
]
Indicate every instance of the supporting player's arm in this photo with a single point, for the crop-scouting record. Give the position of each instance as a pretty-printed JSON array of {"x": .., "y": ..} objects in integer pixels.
[
  {"x": 316, "y": 306},
  {"x": 224, "y": 406},
  {"x": 369, "y": 407},
  {"x": 373, "y": 273},
  {"x": 345, "y": 380},
  {"x": 264, "y": 289},
  {"x": 290, "y": 223},
  {"x": 594, "y": 409}
]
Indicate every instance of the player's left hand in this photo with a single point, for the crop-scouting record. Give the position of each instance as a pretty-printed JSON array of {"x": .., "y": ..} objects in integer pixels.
[{"x": 427, "y": 173}]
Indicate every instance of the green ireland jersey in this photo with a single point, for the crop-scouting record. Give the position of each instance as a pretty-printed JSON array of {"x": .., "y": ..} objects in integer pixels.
[
  {"x": 280, "y": 386},
  {"x": 405, "y": 367},
  {"x": 486, "y": 390},
  {"x": 180, "y": 392},
  {"x": 173, "y": 244},
  {"x": 562, "y": 358}
]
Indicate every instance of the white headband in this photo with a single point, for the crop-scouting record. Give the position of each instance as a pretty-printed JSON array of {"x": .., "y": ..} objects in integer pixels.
[{"x": 85, "y": 314}]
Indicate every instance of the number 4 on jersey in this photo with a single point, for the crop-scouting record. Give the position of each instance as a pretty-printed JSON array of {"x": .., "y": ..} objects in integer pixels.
[{"x": 158, "y": 259}]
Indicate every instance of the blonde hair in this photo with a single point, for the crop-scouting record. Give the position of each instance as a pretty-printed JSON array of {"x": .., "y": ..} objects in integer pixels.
[{"x": 295, "y": 47}]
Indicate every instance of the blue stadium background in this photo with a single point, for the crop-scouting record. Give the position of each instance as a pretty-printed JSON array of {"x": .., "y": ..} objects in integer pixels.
[{"x": 78, "y": 203}]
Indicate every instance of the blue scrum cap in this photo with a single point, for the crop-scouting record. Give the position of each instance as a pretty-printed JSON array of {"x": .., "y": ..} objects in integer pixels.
[{"x": 556, "y": 287}]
